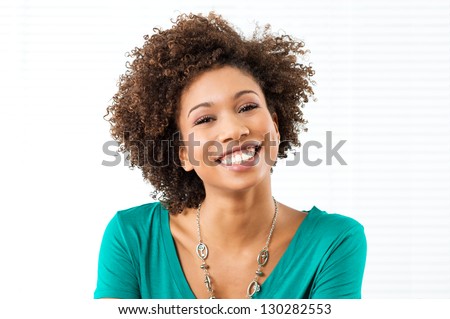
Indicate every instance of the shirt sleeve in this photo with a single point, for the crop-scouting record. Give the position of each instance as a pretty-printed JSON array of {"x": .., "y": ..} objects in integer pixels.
[
  {"x": 117, "y": 276},
  {"x": 342, "y": 272}
]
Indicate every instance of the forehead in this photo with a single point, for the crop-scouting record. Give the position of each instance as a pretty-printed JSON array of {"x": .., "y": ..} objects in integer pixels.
[{"x": 217, "y": 84}]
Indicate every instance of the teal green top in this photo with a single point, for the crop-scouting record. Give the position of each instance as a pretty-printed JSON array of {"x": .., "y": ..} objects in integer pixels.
[{"x": 138, "y": 259}]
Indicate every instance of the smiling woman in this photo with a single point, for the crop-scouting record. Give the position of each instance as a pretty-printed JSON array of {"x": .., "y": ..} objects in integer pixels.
[{"x": 230, "y": 107}]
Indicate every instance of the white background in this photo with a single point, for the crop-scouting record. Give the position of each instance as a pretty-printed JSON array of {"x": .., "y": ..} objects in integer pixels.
[{"x": 383, "y": 85}]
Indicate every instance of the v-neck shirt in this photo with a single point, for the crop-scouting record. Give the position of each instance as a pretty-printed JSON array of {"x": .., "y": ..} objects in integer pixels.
[{"x": 138, "y": 259}]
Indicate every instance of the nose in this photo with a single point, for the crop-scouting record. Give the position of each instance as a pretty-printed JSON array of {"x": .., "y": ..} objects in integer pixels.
[{"x": 232, "y": 129}]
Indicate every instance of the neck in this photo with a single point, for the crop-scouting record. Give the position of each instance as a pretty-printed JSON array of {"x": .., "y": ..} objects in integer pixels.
[{"x": 236, "y": 220}]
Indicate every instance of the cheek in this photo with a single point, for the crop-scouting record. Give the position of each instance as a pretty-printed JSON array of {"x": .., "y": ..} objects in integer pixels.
[
  {"x": 271, "y": 145},
  {"x": 204, "y": 151},
  {"x": 274, "y": 141},
  {"x": 274, "y": 150},
  {"x": 269, "y": 129}
]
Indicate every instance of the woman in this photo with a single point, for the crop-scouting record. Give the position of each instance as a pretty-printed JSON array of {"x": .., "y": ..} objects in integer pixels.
[{"x": 205, "y": 113}]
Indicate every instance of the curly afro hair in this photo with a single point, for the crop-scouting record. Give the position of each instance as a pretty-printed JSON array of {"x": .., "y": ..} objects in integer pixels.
[{"x": 143, "y": 113}]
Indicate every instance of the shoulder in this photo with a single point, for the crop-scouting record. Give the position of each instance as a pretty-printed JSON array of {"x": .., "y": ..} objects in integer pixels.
[
  {"x": 332, "y": 225},
  {"x": 140, "y": 211},
  {"x": 333, "y": 220},
  {"x": 138, "y": 218}
]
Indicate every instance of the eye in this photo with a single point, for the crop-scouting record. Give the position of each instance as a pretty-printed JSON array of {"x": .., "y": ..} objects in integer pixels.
[
  {"x": 203, "y": 119},
  {"x": 248, "y": 107}
]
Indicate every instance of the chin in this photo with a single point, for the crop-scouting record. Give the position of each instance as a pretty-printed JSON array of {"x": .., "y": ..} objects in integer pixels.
[{"x": 236, "y": 181}]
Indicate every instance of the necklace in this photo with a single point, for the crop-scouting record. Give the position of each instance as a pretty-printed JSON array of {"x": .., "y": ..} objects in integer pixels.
[{"x": 261, "y": 259}]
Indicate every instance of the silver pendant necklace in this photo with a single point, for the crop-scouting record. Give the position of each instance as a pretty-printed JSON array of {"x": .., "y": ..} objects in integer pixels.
[{"x": 261, "y": 259}]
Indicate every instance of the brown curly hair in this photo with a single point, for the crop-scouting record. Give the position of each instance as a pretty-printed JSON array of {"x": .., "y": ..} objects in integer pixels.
[{"x": 143, "y": 113}]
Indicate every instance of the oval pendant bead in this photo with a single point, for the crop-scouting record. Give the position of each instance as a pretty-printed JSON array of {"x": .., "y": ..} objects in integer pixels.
[
  {"x": 204, "y": 266},
  {"x": 263, "y": 257},
  {"x": 202, "y": 251},
  {"x": 259, "y": 273},
  {"x": 253, "y": 288}
]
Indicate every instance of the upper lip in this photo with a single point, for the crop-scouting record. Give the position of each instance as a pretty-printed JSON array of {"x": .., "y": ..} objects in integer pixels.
[{"x": 236, "y": 148}]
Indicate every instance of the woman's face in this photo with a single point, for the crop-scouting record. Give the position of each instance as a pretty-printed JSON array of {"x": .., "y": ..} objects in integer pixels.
[{"x": 231, "y": 140}]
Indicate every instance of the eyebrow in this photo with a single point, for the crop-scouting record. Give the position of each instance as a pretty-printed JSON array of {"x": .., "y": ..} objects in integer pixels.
[{"x": 208, "y": 104}]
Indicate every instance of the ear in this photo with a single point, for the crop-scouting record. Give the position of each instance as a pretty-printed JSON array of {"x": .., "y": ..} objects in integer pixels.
[
  {"x": 184, "y": 159},
  {"x": 275, "y": 123}
]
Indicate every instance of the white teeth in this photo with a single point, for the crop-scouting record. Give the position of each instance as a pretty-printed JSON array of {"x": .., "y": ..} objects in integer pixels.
[
  {"x": 246, "y": 157},
  {"x": 239, "y": 157}
]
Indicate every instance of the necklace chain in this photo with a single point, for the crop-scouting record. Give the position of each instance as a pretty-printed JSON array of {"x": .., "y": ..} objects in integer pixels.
[{"x": 262, "y": 258}]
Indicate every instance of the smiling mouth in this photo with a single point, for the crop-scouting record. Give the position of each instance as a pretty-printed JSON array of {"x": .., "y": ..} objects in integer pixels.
[{"x": 240, "y": 157}]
